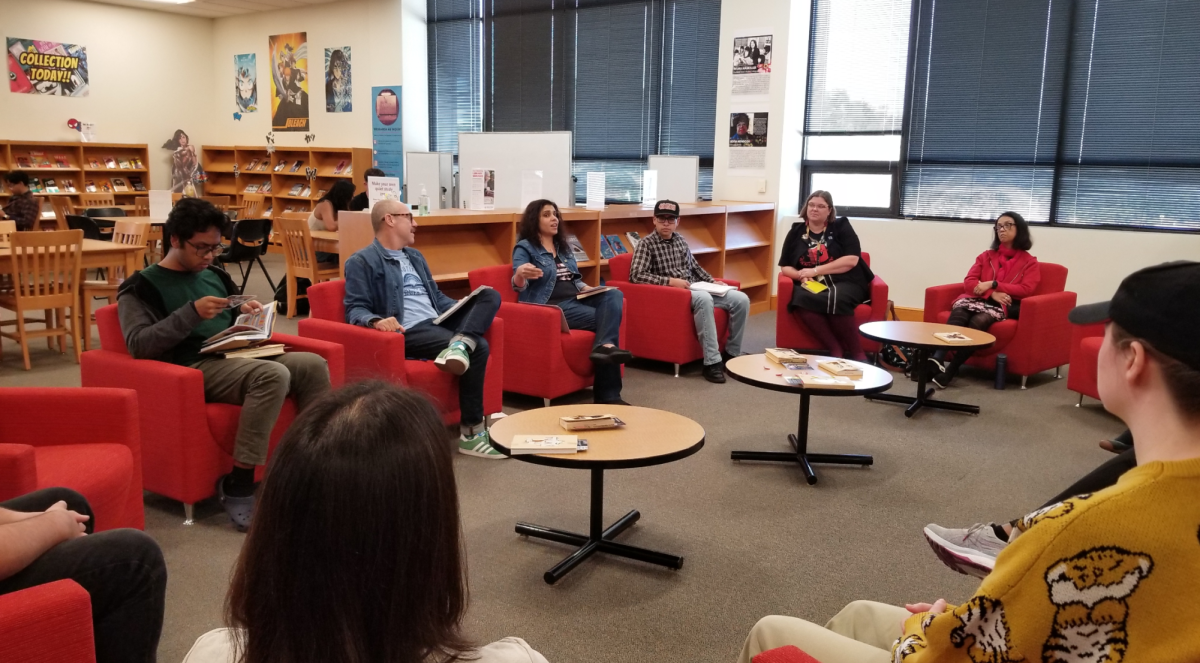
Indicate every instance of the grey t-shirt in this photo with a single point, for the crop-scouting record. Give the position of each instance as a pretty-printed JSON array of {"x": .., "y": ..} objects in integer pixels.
[{"x": 417, "y": 305}]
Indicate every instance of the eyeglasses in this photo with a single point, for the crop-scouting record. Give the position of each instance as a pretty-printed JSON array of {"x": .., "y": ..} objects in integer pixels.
[
  {"x": 818, "y": 206},
  {"x": 1005, "y": 226},
  {"x": 666, "y": 219},
  {"x": 406, "y": 215},
  {"x": 206, "y": 250}
]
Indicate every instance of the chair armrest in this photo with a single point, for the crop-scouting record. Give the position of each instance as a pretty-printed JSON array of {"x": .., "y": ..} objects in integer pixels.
[
  {"x": 333, "y": 353},
  {"x": 369, "y": 353},
  {"x": 879, "y": 300},
  {"x": 939, "y": 298},
  {"x": 18, "y": 471},
  {"x": 1080, "y": 332},
  {"x": 533, "y": 335},
  {"x": 34, "y": 416},
  {"x": 1043, "y": 331},
  {"x": 656, "y": 309},
  {"x": 51, "y": 622}
]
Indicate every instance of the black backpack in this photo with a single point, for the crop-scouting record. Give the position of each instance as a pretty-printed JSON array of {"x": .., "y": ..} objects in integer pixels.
[{"x": 281, "y": 297}]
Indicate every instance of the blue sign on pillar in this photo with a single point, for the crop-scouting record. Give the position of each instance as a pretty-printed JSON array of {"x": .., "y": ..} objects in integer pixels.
[{"x": 387, "y": 144}]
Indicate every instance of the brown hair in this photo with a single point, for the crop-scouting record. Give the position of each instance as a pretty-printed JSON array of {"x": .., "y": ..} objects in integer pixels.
[
  {"x": 824, "y": 195},
  {"x": 1183, "y": 381},
  {"x": 530, "y": 227},
  {"x": 354, "y": 554}
]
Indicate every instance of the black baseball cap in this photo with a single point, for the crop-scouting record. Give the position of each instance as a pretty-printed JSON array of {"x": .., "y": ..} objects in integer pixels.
[
  {"x": 667, "y": 208},
  {"x": 1160, "y": 304}
]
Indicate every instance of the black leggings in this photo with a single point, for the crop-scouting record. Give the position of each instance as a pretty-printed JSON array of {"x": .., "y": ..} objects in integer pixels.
[{"x": 963, "y": 317}]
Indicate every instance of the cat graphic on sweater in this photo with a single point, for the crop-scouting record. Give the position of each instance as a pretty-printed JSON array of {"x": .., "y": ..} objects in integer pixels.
[{"x": 1090, "y": 592}]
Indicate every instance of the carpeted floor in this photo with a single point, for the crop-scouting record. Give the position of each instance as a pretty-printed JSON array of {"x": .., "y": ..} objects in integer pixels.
[{"x": 756, "y": 539}]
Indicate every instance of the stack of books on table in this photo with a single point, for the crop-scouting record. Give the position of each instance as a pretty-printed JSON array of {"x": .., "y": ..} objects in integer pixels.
[
  {"x": 840, "y": 368},
  {"x": 544, "y": 444},
  {"x": 785, "y": 356},
  {"x": 816, "y": 380},
  {"x": 590, "y": 422}
]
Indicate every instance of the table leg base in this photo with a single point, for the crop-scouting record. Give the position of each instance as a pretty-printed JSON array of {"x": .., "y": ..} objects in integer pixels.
[
  {"x": 915, "y": 404},
  {"x": 803, "y": 458},
  {"x": 589, "y": 546}
]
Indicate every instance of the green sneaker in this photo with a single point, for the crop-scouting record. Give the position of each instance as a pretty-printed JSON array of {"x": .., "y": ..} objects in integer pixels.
[
  {"x": 454, "y": 359},
  {"x": 480, "y": 445}
]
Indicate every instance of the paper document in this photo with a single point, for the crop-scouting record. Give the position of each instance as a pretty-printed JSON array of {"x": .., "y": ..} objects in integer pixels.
[
  {"x": 382, "y": 188},
  {"x": 531, "y": 187},
  {"x": 715, "y": 289},
  {"x": 454, "y": 309},
  {"x": 595, "y": 191},
  {"x": 160, "y": 204},
  {"x": 649, "y": 188}
]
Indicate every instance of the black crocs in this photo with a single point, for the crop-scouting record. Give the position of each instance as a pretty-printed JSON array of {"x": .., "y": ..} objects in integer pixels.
[{"x": 240, "y": 509}]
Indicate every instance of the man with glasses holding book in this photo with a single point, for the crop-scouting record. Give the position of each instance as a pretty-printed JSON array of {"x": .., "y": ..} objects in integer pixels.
[{"x": 169, "y": 309}]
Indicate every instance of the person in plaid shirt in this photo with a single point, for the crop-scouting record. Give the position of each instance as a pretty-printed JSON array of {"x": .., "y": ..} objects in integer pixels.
[
  {"x": 663, "y": 258},
  {"x": 23, "y": 207}
]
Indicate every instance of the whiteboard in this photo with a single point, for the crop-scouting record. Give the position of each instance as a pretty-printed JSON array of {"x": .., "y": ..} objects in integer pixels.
[
  {"x": 678, "y": 177},
  {"x": 509, "y": 153}
]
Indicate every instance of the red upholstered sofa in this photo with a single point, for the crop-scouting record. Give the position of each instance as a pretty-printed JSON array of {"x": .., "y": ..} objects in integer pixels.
[
  {"x": 661, "y": 326},
  {"x": 371, "y": 354},
  {"x": 186, "y": 443},
  {"x": 539, "y": 359},
  {"x": 790, "y": 331},
  {"x": 1085, "y": 354},
  {"x": 83, "y": 439},
  {"x": 1039, "y": 341},
  {"x": 50, "y": 623}
]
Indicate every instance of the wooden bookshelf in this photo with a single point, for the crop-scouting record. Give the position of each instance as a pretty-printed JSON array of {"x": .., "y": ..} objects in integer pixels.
[
  {"x": 73, "y": 164},
  {"x": 232, "y": 170}
]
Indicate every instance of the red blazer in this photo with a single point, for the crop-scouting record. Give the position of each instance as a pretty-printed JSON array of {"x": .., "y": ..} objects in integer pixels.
[{"x": 1021, "y": 281}]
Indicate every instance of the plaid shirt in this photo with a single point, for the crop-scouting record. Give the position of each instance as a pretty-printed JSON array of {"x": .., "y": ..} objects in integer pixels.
[
  {"x": 24, "y": 209},
  {"x": 655, "y": 260}
]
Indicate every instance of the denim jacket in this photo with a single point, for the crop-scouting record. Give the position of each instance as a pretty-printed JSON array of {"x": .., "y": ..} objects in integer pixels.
[
  {"x": 538, "y": 291},
  {"x": 375, "y": 285}
]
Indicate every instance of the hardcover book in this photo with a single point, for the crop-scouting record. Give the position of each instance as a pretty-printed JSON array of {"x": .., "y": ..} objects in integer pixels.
[
  {"x": 543, "y": 444},
  {"x": 137, "y": 183},
  {"x": 840, "y": 367},
  {"x": 606, "y": 251},
  {"x": 614, "y": 242},
  {"x": 577, "y": 249},
  {"x": 954, "y": 338},
  {"x": 781, "y": 355}
]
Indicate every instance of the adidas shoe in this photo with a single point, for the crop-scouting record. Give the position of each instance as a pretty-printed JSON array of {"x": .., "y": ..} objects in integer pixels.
[
  {"x": 454, "y": 359},
  {"x": 480, "y": 445}
]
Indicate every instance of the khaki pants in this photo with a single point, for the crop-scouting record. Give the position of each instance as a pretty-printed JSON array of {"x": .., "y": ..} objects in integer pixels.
[
  {"x": 863, "y": 632},
  {"x": 260, "y": 386}
]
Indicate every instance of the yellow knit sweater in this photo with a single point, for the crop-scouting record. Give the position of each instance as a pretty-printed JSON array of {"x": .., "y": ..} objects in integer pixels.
[{"x": 1102, "y": 578}]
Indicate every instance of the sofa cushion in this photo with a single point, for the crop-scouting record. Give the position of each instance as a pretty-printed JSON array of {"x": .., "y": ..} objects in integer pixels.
[{"x": 100, "y": 472}]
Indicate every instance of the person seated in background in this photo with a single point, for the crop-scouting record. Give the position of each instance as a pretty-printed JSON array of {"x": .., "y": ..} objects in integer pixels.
[
  {"x": 389, "y": 288},
  {"x": 663, "y": 258},
  {"x": 361, "y": 201},
  {"x": 324, "y": 214},
  {"x": 168, "y": 310},
  {"x": 47, "y": 535},
  {"x": 824, "y": 250},
  {"x": 545, "y": 272},
  {"x": 356, "y": 553},
  {"x": 995, "y": 285},
  {"x": 22, "y": 207},
  {"x": 1104, "y": 576}
]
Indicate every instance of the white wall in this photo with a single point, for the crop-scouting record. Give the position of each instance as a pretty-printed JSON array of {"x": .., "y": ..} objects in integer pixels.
[{"x": 148, "y": 76}]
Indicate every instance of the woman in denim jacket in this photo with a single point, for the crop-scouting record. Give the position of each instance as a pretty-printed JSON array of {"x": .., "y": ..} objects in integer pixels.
[{"x": 545, "y": 272}]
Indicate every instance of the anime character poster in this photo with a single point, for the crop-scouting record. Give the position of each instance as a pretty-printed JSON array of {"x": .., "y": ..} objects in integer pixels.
[
  {"x": 245, "y": 82},
  {"x": 289, "y": 81},
  {"x": 47, "y": 67},
  {"x": 338, "y": 82}
]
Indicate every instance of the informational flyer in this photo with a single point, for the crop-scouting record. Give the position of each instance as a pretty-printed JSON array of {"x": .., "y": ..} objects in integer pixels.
[
  {"x": 532, "y": 182},
  {"x": 649, "y": 188},
  {"x": 595, "y": 191},
  {"x": 752, "y": 63},
  {"x": 483, "y": 189},
  {"x": 160, "y": 203},
  {"x": 748, "y": 143},
  {"x": 382, "y": 188},
  {"x": 387, "y": 135}
]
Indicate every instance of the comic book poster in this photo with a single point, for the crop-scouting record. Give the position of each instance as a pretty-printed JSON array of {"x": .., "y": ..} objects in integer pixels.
[
  {"x": 338, "y": 82},
  {"x": 47, "y": 67},
  {"x": 289, "y": 81},
  {"x": 245, "y": 82}
]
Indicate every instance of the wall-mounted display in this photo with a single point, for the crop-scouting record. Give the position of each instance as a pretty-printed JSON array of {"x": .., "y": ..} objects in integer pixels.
[
  {"x": 47, "y": 67},
  {"x": 289, "y": 81},
  {"x": 338, "y": 80},
  {"x": 245, "y": 82}
]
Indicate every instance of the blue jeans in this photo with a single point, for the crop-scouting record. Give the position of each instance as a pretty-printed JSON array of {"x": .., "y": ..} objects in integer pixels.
[
  {"x": 737, "y": 304},
  {"x": 602, "y": 314}
]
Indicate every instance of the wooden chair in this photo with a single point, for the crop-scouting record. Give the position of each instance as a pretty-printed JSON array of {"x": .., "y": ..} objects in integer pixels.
[
  {"x": 45, "y": 275},
  {"x": 87, "y": 200},
  {"x": 7, "y": 228},
  {"x": 62, "y": 207},
  {"x": 276, "y": 239},
  {"x": 301, "y": 259},
  {"x": 129, "y": 233},
  {"x": 253, "y": 203},
  {"x": 141, "y": 206},
  {"x": 221, "y": 202}
]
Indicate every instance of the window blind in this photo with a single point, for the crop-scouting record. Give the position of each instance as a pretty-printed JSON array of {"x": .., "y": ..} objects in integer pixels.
[{"x": 455, "y": 71}]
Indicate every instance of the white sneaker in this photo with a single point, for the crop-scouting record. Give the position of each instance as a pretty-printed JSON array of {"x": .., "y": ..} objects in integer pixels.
[{"x": 971, "y": 551}]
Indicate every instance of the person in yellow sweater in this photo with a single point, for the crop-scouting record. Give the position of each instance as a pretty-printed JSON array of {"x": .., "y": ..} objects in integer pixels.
[{"x": 1106, "y": 577}]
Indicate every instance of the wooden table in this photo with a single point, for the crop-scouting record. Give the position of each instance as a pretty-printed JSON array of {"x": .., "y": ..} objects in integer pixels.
[
  {"x": 649, "y": 437},
  {"x": 758, "y": 371},
  {"x": 920, "y": 336},
  {"x": 109, "y": 221},
  {"x": 95, "y": 254},
  {"x": 325, "y": 240},
  {"x": 80, "y": 209}
]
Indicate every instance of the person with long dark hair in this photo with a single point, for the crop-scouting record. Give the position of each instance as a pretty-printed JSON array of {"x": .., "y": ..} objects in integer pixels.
[
  {"x": 995, "y": 285},
  {"x": 545, "y": 272},
  {"x": 356, "y": 553},
  {"x": 824, "y": 250},
  {"x": 324, "y": 214}
]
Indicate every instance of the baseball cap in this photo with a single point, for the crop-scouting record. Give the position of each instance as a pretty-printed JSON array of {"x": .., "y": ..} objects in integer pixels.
[
  {"x": 667, "y": 208},
  {"x": 1160, "y": 304}
]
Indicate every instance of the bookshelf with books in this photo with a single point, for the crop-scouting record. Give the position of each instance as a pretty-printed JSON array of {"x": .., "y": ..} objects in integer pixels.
[
  {"x": 456, "y": 241},
  {"x": 280, "y": 176},
  {"x": 62, "y": 168},
  {"x": 584, "y": 225}
]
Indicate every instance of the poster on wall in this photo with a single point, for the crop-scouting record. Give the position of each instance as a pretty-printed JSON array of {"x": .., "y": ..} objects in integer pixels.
[
  {"x": 47, "y": 67},
  {"x": 752, "y": 63},
  {"x": 748, "y": 143},
  {"x": 245, "y": 82},
  {"x": 289, "y": 81},
  {"x": 185, "y": 166},
  {"x": 338, "y": 81},
  {"x": 387, "y": 140}
]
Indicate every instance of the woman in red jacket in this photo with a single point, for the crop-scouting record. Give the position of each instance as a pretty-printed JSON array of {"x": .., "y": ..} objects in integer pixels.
[{"x": 1000, "y": 278}]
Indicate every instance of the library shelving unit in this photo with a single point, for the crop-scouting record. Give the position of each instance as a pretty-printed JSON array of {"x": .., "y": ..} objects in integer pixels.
[
  {"x": 70, "y": 166},
  {"x": 584, "y": 224},
  {"x": 456, "y": 241},
  {"x": 238, "y": 170}
]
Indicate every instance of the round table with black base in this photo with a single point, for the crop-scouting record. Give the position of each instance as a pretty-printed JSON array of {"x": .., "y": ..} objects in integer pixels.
[
  {"x": 758, "y": 371},
  {"x": 920, "y": 336},
  {"x": 649, "y": 437}
]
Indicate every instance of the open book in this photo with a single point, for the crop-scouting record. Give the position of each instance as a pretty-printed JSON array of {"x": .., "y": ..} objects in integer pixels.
[
  {"x": 715, "y": 289},
  {"x": 589, "y": 290},
  {"x": 248, "y": 329},
  {"x": 454, "y": 309}
]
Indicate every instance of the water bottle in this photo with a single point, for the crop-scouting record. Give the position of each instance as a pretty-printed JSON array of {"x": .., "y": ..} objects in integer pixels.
[
  {"x": 423, "y": 205},
  {"x": 1001, "y": 367}
]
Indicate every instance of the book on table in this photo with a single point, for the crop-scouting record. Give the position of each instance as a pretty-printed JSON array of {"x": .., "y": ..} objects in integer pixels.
[
  {"x": 840, "y": 367},
  {"x": 589, "y": 290},
  {"x": 814, "y": 381},
  {"x": 716, "y": 289},
  {"x": 954, "y": 338},
  {"x": 590, "y": 422},
  {"x": 248, "y": 330},
  {"x": 577, "y": 249},
  {"x": 543, "y": 444},
  {"x": 785, "y": 355},
  {"x": 459, "y": 304},
  {"x": 615, "y": 243}
]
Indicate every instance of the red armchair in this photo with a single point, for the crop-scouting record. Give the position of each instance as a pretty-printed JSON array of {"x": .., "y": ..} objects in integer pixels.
[
  {"x": 540, "y": 359},
  {"x": 50, "y": 623},
  {"x": 1085, "y": 354},
  {"x": 83, "y": 439},
  {"x": 661, "y": 324},
  {"x": 790, "y": 332},
  {"x": 370, "y": 354},
  {"x": 1039, "y": 341},
  {"x": 186, "y": 443}
]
